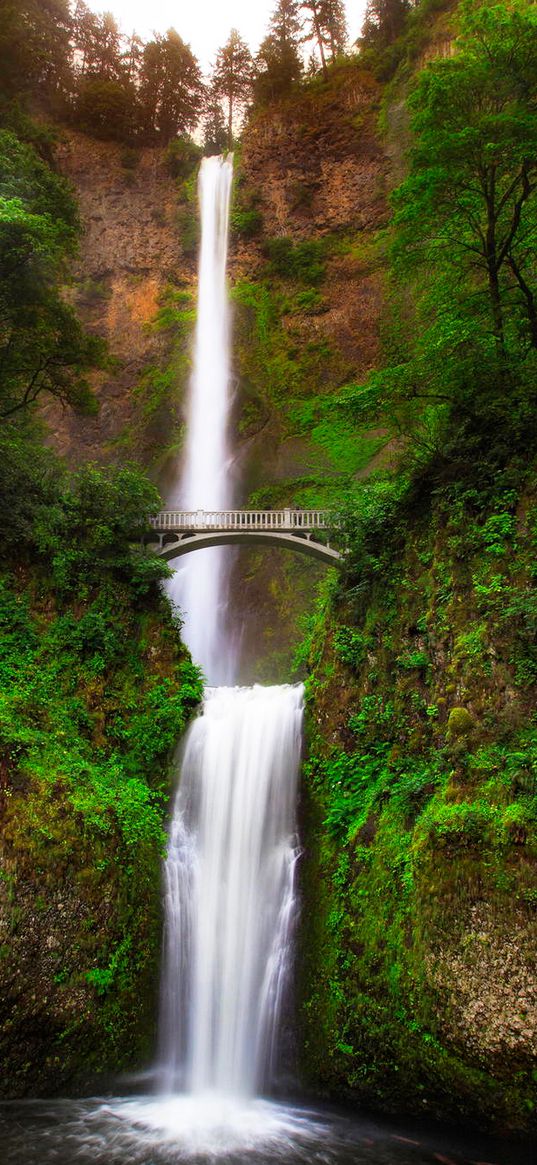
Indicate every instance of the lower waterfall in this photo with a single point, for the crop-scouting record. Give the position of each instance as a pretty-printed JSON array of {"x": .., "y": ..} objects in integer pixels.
[{"x": 230, "y": 891}]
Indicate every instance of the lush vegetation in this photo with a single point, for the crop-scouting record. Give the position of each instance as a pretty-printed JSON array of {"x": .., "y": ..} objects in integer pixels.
[
  {"x": 43, "y": 347},
  {"x": 420, "y": 812},
  {"x": 464, "y": 244},
  {"x": 95, "y": 685},
  {"x": 95, "y": 690},
  {"x": 421, "y": 797},
  {"x": 421, "y": 776}
]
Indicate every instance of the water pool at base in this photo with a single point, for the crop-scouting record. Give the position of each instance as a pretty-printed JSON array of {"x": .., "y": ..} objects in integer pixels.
[{"x": 149, "y": 1130}]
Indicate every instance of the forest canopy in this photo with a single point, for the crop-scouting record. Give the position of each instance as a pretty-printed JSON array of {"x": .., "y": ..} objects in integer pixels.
[{"x": 81, "y": 68}]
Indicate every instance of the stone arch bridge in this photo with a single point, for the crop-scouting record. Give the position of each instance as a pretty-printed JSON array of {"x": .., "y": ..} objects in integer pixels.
[{"x": 178, "y": 532}]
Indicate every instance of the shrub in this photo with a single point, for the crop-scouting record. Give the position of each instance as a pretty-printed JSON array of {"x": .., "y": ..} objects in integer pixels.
[
  {"x": 247, "y": 223},
  {"x": 181, "y": 157},
  {"x": 460, "y": 722},
  {"x": 350, "y": 646},
  {"x": 301, "y": 261}
]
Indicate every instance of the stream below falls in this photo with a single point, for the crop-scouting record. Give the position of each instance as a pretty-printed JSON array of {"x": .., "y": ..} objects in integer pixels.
[{"x": 150, "y": 1130}]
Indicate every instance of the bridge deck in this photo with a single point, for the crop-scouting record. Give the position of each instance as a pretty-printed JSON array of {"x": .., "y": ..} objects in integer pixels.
[
  {"x": 180, "y": 532},
  {"x": 288, "y": 519}
]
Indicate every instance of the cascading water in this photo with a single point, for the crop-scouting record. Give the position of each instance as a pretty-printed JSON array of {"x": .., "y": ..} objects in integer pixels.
[
  {"x": 199, "y": 587},
  {"x": 229, "y": 874},
  {"x": 230, "y": 899}
]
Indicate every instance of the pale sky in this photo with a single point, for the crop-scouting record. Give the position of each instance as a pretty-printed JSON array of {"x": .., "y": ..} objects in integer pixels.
[{"x": 206, "y": 24}]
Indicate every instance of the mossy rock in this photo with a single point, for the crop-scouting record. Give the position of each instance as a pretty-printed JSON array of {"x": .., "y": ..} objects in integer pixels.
[{"x": 460, "y": 723}]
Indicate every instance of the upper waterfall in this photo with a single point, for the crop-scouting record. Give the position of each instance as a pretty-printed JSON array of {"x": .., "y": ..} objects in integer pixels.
[{"x": 199, "y": 587}]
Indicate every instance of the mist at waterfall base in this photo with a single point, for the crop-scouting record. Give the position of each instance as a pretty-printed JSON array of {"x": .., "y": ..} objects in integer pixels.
[{"x": 230, "y": 872}]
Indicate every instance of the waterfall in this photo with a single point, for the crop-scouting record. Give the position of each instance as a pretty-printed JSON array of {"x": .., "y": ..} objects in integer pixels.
[
  {"x": 230, "y": 894},
  {"x": 199, "y": 587},
  {"x": 229, "y": 872}
]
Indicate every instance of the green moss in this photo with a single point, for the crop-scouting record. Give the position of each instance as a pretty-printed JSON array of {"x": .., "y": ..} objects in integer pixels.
[
  {"x": 460, "y": 722},
  {"x": 95, "y": 691},
  {"x": 420, "y": 819},
  {"x": 280, "y": 382}
]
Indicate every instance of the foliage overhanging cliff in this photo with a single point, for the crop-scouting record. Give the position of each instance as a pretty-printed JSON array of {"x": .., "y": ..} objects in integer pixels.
[{"x": 420, "y": 806}]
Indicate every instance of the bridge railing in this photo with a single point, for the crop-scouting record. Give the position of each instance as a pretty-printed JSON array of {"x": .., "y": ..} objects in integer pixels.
[{"x": 287, "y": 519}]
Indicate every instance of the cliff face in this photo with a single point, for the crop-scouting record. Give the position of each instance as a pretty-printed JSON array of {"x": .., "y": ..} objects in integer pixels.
[
  {"x": 419, "y": 938},
  {"x": 315, "y": 172},
  {"x": 130, "y": 256},
  {"x": 318, "y": 172},
  {"x": 95, "y": 693}
]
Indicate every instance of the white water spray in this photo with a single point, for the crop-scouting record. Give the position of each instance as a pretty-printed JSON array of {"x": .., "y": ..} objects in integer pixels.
[
  {"x": 199, "y": 587},
  {"x": 230, "y": 892}
]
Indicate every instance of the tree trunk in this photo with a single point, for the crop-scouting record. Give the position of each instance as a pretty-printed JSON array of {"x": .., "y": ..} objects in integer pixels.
[
  {"x": 318, "y": 34},
  {"x": 531, "y": 307},
  {"x": 497, "y": 312},
  {"x": 491, "y": 255},
  {"x": 230, "y": 122}
]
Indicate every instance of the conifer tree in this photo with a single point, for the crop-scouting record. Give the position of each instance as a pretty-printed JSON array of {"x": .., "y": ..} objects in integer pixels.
[
  {"x": 215, "y": 134},
  {"x": 171, "y": 88},
  {"x": 233, "y": 76},
  {"x": 132, "y": 56},
  {"x": 335, "y": 23},
  {"x": 327, "y": 27},
  {"x": 35, "y": 51},
  {"x": 279, "y": 61},
  {"x": 98, "y": 44},
  {"x": 384, "y": 21}
]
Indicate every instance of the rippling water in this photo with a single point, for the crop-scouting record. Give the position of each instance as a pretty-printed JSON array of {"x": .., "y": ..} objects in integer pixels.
[{"x": 146, "y": 1130}]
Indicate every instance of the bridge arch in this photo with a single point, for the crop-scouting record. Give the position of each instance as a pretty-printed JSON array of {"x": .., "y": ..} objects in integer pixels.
[
  {"x": 181, "y": 532},
  {"x": 187, "y": 543}
]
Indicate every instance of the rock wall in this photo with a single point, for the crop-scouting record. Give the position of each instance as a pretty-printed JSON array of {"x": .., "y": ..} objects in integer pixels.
[
  {"x": 130, "y": 254},
  {"x": 316, "y": 171},
  {"x": 419, "y": 939}
]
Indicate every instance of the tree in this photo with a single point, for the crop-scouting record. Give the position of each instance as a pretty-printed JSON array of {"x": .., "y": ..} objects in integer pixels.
[
  {"x": 132, "y": 57},
  {"x": 233, "y": 77},
  {"x": 171, "y": 88},
  {"x": 106, "y": 102},
  {"x": 215, "y": 134},
  {"x": 335, "y": 22},
  {"x": 462, "y": 375},
  {"x": 35, "y": 49},
  {"x": 43, "y": 347},
  {"x": 85, "y": 37},
  {"x": 471, "y": 191},
  {"x": 384, "y": 22},
  {"x": 327, "y": 27},
  {"x": 279, "y": 62},
  {"x": 98, "y": 44},
  {"x": 107, "y": 108}
]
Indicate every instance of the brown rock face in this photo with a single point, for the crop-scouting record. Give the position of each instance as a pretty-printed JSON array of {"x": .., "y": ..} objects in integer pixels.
[
  {"x": 318, "y": 173},
  {"x": 317, "y": 161},
  {"x": 129, "y": 253}
]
